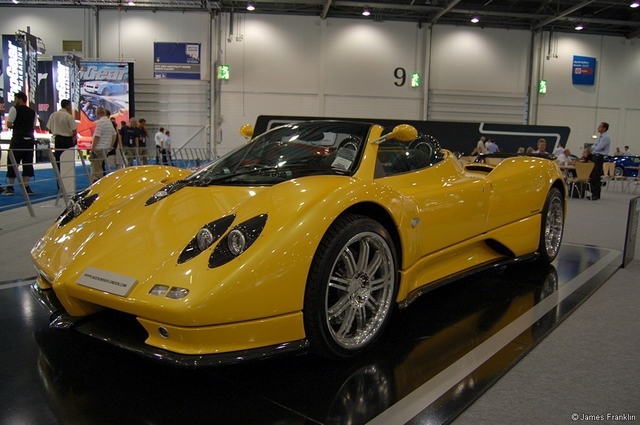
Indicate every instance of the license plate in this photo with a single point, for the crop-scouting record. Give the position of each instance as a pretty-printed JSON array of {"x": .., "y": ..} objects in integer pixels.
[{"x": 102, "y": 280}]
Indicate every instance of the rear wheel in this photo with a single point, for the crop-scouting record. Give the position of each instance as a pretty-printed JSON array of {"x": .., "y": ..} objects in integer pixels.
[
  {"x": 619, "y": 172},
  {"x": 552, "y": 226},
  {"x": 351, "y": 287}
]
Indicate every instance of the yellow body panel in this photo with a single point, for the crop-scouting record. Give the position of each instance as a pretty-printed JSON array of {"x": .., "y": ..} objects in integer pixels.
[
  {"x": 442, "y": 216},
  {"x": 225, "y": 338}
]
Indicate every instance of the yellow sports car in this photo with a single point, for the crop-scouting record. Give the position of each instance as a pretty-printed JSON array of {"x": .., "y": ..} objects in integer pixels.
[{"x": 307, "y": 237}]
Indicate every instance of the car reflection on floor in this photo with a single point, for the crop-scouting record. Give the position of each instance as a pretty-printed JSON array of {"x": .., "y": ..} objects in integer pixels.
[{"x": 87, "y": 381}]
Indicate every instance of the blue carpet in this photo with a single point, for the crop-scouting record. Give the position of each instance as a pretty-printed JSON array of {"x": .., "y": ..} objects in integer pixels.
[{"x": 43, "y": 184}]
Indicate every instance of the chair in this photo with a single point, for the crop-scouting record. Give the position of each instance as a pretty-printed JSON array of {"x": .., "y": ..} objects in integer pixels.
[
  {"x": 582, "y": 179},
  {"x": 608, "y": 169}
]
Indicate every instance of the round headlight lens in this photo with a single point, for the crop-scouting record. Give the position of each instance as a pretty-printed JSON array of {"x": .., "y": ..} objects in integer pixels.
[
  {"x": 204, "y": 239},
  {"x": 237, "y": 242}
]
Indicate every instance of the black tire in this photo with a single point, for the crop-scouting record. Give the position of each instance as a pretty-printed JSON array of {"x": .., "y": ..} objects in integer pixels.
[
  {"x": 105, "y": 92},
  {"x": 552, "y": 226},
  {"x": 618, "y": 172},
  {"x": 349, "y": 298}
]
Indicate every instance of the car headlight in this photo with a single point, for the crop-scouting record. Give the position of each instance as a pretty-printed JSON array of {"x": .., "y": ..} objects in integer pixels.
[
  {"x": 77, "y": 205},
  {"x": 237, "y": 241},
  {"x": 206, "y": 236}
]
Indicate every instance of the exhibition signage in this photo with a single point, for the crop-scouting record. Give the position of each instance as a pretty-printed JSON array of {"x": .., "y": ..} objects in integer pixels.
[
  {"x": 13, "y": 68},
  {"x": 176, "y": 60},
  {"x": 105, "y": 84},
  {"x": 31, "y": 59},
  {"x": 584, "y": 70},
  {"x": 66, "y": 81}
]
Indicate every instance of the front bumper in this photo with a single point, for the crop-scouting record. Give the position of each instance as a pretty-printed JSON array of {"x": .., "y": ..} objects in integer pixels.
[{"x": 125, "y": 331}]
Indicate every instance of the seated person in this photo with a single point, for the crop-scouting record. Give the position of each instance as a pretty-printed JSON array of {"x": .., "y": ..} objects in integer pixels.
[
  {"x": 587, "y": 156},
  {"x": 565, "y": 158}
]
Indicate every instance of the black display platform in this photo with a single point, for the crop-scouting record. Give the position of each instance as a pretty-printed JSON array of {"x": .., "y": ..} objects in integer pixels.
[{"x": 437, "y": 356}]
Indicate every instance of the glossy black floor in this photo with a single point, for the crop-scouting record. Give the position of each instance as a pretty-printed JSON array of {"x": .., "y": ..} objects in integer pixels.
[{"x": 436, "y": 358}]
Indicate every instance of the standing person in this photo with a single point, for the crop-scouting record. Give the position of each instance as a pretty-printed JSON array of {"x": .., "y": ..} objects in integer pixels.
[
  {"x": 491, "y": 146},
  {"x": 129, "y": 136},
  {"x": 542, "y": 146},
  {"x": 600, "y": 149},
  {"x": 559, "y": 150},
  {"x": 143, "y": 133},
  {"x": 626, "y": 152},
  {"x": 167, "y": 147},
  {"x": 159, "y": 140},
  {"x": 113, "y": 157},
  {"x": 21, "y": 120},
  {"x": 618, "y": 152},
  {"x": 64, "y": 130},
  {"x": 103, "y": 138},
  {"x": 480, "y": 148}
]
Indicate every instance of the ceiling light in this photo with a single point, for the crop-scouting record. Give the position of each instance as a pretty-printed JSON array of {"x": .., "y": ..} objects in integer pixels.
[
  {"x": 635, "y": 4},
  {"x": 579, "y": 27},
  {"x": 251, "y": 7},
  {"x": 366, "y": 12},
  {"x": 131, "y": 3},
  {"x": 15, "y": 1},
  {"x": 475, "y": 19}
]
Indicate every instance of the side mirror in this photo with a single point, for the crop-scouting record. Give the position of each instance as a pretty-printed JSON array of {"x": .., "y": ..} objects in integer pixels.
[
  {"x": 246, "y": 131},
  {"x": 402, "y": 132}
]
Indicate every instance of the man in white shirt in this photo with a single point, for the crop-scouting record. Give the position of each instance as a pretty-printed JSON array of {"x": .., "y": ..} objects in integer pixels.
[
  {"x": 160, "y": 152},
  {"x": 64, "y": 129},
  {"x": 103, "y": 139},
  {"x": 565, "y": 158},
  {"x": 600, "y": 150},
  {"x": 167, "y": 147},
  {"x": 559, "y": 150}
]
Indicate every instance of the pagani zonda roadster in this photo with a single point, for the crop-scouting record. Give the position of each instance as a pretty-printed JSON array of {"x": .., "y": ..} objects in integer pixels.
[{"x": 306, "y": 237}]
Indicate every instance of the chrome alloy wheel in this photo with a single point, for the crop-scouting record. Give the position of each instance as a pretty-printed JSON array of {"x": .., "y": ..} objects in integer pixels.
[
  {"x": 359, "y": 293},
  {"x": 554, "y": 225}
]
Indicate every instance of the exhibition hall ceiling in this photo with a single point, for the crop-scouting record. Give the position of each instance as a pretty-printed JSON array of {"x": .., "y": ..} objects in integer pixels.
[{"x": 601, "y": 17}]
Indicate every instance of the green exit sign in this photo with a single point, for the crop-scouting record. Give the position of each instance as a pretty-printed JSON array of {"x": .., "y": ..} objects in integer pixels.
[
  {"x": 542, "y": 87},
  {"x": 224, "y": 72},
  {"x": 415, "y": 80}
]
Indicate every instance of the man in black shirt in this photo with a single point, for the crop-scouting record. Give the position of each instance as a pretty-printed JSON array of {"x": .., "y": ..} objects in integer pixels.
[
  {"x": 143, "y": 133},
  {"x": 21, "y": 120},
  {"x": 129, "y": 135}
]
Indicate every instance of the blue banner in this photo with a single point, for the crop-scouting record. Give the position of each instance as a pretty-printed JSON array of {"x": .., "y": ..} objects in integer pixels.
[
  {"x": 584, "y": 70},
  {"x": 176, "y": 60}
]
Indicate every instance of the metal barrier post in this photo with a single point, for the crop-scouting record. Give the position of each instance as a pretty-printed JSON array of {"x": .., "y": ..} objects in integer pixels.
[
  {"x": 61, "y": 189},
  {"x": 87, "y": 171}
]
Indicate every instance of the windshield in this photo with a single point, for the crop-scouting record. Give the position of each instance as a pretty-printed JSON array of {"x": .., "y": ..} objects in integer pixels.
[{"x": 288, "y": 152}]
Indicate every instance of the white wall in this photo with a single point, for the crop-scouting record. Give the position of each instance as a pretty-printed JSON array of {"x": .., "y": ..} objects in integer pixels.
[
  {"x": 51, "y": 25},
  {"x": 337, "y": 67},
  {"x": 614, "y": 99}
]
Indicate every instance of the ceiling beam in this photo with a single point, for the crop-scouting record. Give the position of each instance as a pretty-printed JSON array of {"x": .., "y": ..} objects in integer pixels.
[
  {"x": 563, "y": 14},
  {"x": 440, "y": 14},
  {"x": 325, "y": 11}
]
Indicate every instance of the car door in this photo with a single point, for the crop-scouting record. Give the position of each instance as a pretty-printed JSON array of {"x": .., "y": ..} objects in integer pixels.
[{"x": 452, "y": 205}]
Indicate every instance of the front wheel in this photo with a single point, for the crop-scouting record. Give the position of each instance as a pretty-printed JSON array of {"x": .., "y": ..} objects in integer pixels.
[
  {"x": 351, "y": 287},
  {"x": 552, "y": 226}
]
